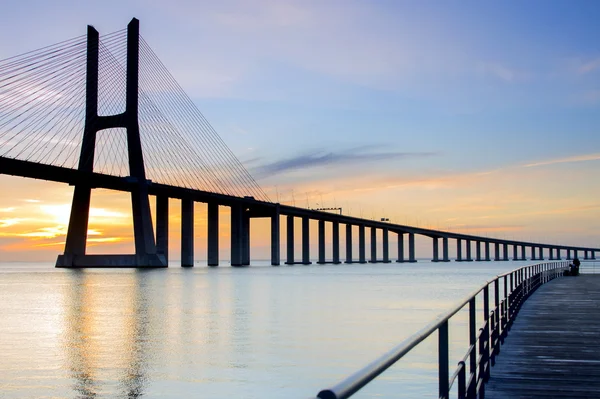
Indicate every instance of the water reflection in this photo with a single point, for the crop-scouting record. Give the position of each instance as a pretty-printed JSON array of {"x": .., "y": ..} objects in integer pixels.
[{"x": 106, "y": 334}]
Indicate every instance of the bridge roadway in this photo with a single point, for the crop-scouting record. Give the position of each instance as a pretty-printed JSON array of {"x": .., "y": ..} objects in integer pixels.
[
  {"x": 553, "y": 348},
  {"x": 266, "y": 209}
]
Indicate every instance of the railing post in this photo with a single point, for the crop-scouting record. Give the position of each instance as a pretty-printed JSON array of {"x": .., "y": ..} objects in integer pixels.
[
  {"x": 496, "y": 332},
  {"x": 486, "y": 333},
  {"x": 443, "y": 362}
]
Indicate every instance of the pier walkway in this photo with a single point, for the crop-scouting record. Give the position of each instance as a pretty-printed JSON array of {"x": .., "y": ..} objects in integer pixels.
[{"x": 553, "y": 348}]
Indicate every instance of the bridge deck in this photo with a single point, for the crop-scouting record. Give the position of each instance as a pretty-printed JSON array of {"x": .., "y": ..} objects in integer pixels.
[{"x": 553, "y": 348}]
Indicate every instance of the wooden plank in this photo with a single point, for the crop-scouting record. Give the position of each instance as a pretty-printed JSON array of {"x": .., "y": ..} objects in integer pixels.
[{"x": 553, "y": 348}]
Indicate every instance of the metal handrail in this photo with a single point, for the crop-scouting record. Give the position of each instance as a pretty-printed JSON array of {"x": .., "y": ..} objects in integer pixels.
[{"x": 483, "y": 347}]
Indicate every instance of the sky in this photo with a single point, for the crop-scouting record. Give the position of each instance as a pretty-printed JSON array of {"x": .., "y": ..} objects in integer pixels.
[{"x": 477, "y": 117}]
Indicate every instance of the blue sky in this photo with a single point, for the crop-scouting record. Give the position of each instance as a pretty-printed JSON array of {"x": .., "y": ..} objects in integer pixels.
[{"x": 395, "y": 107}]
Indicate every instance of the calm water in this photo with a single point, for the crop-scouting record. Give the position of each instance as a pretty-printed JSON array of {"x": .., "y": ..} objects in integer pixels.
[{"x": 258, "y": 332}]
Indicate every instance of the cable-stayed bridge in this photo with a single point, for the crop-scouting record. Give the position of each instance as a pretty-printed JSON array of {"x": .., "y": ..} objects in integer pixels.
[{"x": 104, "y": 112}]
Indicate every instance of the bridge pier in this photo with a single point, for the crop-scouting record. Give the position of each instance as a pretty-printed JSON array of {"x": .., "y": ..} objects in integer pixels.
[
  {"x": 306, "y": 241},
  {"x": 321, "y": 242},
  {"x": 478, "y": 251},
  {"x": 335, "y": 231},
  {"x": 386, "y": 247},
  {"x": 348, "y": 243},
  {"x": 533, "y": 257},
  {"x": 435, "y": 250},
  {"x": 400, "y": 247},
  {"x": 361, "y": 244},
  {"x": 575, "y": 253},
  {"x": 373, "y": 245},
  {"x": 237, "y": 236},
  {"x": 541, "y": 253},
  {"x": 245, "y": 237},
  {"x": 469, "y": 258},
  {"x": 496, "y": 251},
  {"x": 445, "y": 249},
  {"x": 275, "y": 238},
  {"x": 459, "y": 250},
  {"x": 290, "y": 240},
  {"x": 187, "y": 233},
  {"x": 162, "y": 226},
  {"x": 212, "y": 249},
  {"x": 515, "y": 252},
  {"x": 505, "y": 252},
  {"x": 523, "y": 254},
  {"x": 585, "y": 254},
  {"x": 551, "y": 253},
  {"x": 411, "y": 248},
  {"x": 487, "y": 251}
]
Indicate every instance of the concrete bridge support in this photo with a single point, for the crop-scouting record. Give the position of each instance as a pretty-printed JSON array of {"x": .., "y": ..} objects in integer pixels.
[
  {"x": 187, "y": 233},
  {"x": 459, "y": 250},
  {"x": 386, "y": 246},
  {"x": 237, "y": 236},
  {"x": 362, "y": 258},
  {"x": 487, "y": 251},
  {"x": 445, "y": 249},
  {"x": 348, "y": 243},
  {"x": 275, "y": 238},
  {"x": 335, "y": 231},
  {"x": 575, "y": 253},
  {"x": 551, "y": 253},
  {"x": 533, "y": 255},
  {"x": 321, "y": 242},
  {"x": 569, "y": 254},
  {"x": 541, "y": 253},
  {"x": 585, "y": 254},
  {"x": 515, "y": 252},
  {"x": 523, "y": 254},
  {"x": 478, "y": 251},
  {"x": 290, "y": 240},
  {"x": 400, "y": 247},
  {"x": 496, "y": 251},
  {"x": 162, "y": 227},
  {"x": 505, "y": 252},
  {"x": 373, "y": 245},
  {"x": 245, "y": 237},
  {"x": 593, "y": 254},
  {"x": 306, "y": 241},
  {"x": 436, "y": 257},
  {"x": 411, "y": 248},
  {"x": 557, "y": 254},
  {"x": 213, "y": 234},
  {"x": 469, "y": 257}
]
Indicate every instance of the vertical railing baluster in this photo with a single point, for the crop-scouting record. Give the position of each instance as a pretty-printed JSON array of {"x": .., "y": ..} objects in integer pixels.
[
  {"x": 473, "y": 344},
  {"x": 462, "y": 383},
  {"x": 486, "y": 333},
  {"x": 443, "y": 362}
]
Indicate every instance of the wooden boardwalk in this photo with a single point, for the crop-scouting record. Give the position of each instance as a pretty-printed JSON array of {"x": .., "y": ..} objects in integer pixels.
[{"x": 553, "y": 348}]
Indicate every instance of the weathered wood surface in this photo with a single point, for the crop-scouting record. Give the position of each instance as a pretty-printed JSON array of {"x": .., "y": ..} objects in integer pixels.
[{"x": 553, "y": 348}]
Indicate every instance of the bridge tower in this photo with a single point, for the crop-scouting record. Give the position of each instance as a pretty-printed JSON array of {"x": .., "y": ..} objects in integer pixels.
[{"x": 145, "y": 246}]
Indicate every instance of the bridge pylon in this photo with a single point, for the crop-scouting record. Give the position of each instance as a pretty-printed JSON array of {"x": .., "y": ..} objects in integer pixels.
[{"x": 145, "y": 246}]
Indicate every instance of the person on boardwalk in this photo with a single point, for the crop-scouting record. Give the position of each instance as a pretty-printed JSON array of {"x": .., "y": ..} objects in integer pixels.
[{"x": 574, "y": 267}]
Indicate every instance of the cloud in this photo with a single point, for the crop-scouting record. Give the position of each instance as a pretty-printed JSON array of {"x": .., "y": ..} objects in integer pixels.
[
  {"x": 499, "y": 71},
  {"x": 577, "y": 158},
  {"x": 320, "y": 158},
  {"x": 589, "y": 66}
]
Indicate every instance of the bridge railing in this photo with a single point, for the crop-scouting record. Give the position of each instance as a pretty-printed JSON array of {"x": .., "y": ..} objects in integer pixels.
[{"x": 473, "y": 370}]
